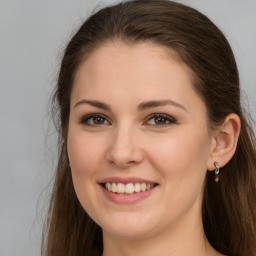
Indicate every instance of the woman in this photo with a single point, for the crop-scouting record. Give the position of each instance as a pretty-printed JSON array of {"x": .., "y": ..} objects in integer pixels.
[{"x": 156, "y": 156}]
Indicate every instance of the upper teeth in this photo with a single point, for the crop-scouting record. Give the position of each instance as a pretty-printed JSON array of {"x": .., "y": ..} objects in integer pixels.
[{"x": 129, "y": 188}]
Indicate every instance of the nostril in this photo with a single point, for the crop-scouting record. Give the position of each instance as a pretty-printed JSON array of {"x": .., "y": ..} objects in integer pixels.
[
  {"x": 123, "y": 152},
  {"x": 122, "y": 163}
]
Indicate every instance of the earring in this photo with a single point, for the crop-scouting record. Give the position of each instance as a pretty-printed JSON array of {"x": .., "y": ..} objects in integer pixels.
[{"x": 217, "y": 170}]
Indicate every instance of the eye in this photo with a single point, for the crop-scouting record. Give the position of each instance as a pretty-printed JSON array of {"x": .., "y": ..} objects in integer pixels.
[
  {"x": 160, "y": 120},
  {"x": 94, "y": 120}
]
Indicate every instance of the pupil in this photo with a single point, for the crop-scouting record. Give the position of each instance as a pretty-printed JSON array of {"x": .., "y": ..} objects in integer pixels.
[
  {"x": 98, "y": 120},
  {"x": 160, "y": 120}
]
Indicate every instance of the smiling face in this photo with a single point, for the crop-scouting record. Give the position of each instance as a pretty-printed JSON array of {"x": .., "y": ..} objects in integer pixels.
[{"x": 136, "y": 123}]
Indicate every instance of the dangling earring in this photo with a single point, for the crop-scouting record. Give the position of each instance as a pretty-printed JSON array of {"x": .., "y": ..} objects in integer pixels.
[{"x": 217, "y": 170}]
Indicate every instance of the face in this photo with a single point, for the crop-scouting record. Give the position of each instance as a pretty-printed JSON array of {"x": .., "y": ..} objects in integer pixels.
[{"x": 138, "y": 140}]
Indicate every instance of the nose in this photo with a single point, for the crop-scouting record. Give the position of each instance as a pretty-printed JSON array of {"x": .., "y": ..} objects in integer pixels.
[{"x": 125, "y": 148}]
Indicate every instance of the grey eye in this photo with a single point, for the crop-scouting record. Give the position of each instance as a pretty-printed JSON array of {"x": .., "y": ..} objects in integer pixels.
[
  {"x": 160, "y": 119},
  {"x": 94, "y": 119}
]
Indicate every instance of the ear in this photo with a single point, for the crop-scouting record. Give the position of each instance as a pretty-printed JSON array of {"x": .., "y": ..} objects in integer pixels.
[{"x": 224, "y": 141}]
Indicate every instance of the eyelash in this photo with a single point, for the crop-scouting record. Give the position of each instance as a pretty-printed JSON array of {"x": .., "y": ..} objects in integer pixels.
[
  {"x": 85, "y": 120},
  {"x": 168, "y": 119}
]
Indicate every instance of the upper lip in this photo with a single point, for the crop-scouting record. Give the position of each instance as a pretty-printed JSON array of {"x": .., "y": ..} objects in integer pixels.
[{"x": 126, "y": 180}]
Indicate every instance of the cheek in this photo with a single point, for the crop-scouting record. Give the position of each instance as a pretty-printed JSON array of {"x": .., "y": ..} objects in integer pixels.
[
  {"x": 181, "y": 163},
  {"x": 181, "y": 158},
  {"x": 85, "y": 156},
  {"x": 85, "y": 153}
]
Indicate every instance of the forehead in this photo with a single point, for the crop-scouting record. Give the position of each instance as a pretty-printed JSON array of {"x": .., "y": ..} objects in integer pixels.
[
  {"x": 117, "y": 56},
  {"x": 117, "y": 69}
]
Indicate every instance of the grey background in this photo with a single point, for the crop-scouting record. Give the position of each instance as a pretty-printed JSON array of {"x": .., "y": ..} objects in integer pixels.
[{"x": 32, "y": 36}]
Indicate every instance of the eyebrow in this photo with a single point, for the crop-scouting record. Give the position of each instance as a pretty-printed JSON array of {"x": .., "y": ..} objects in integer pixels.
[
  {"x": 142, "y": 106},
  {"x": 94, "y": 103},
  {"x": 159, "y": 103}
]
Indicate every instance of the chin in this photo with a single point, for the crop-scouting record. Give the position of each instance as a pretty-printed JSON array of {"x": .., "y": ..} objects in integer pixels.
[
  {"x": 129, "y": 227},
  {"x": 129, "y": 233}
]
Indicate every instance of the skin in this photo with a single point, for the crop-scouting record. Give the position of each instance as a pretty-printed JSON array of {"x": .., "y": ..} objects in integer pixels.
[{"x": 128, "y": 142}]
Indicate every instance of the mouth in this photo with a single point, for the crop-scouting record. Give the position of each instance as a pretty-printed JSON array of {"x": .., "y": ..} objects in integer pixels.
[{"x": 128, "y": 188}]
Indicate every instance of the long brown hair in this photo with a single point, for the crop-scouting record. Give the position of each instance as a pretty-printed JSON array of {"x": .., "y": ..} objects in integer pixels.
[{"x": 228, "y": 207}]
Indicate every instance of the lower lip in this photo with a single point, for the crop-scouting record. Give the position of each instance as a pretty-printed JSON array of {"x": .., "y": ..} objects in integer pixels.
[{"x": 127, "y": 198}]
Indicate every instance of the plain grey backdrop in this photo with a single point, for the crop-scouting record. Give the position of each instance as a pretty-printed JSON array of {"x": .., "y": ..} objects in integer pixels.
[{"x": 32, "y": 37}]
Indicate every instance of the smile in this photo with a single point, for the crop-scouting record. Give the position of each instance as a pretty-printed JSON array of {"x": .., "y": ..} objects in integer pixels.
[{"x": 129, "y": 188}]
